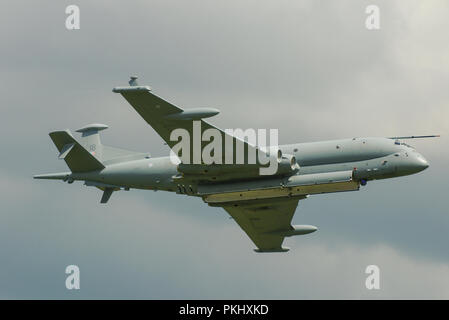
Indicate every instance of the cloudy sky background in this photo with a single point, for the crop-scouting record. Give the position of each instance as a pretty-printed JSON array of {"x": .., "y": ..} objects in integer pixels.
[{"x": 309, "y": 68}]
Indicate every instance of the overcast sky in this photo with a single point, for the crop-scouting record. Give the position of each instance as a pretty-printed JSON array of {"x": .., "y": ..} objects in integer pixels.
[{"x": 309, "y": 68}]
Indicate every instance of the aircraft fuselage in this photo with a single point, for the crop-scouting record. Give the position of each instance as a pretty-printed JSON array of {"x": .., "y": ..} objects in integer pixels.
[{"x": 367, "y": 158}]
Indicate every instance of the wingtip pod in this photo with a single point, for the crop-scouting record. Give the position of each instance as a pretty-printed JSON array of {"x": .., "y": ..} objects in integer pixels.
[{"x": 133, "y": 87}]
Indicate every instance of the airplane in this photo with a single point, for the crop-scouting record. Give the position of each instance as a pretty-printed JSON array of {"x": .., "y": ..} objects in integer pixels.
[{"x": 262, "y": 205}]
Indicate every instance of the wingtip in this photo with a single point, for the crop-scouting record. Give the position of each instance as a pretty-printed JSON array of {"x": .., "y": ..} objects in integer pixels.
[
  {"x": 282, "y": 249},
  {"x": 131, "y": 89}
]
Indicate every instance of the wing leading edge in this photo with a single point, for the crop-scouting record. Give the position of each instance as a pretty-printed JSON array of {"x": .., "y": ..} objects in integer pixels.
[{"x": 165, "y": 117}]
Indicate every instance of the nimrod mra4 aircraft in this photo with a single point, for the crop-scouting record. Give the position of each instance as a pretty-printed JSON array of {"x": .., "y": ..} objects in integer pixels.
[{"x": 262, "y": 205}]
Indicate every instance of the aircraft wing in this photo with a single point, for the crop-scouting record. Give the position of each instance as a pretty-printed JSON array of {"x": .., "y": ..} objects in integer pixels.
[
  {"x": 267, "y": 222},
  {"x": 164, "y": 117},
  {"x": 153, "y": 110}
]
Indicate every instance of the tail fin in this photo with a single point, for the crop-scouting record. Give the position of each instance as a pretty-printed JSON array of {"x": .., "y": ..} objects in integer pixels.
[
  {"x": 77, "y": 156},
  {"x": 90, "y": 139}
]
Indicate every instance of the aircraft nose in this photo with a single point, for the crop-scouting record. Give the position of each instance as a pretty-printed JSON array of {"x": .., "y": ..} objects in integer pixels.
[
  {"x": 412, "y": 162},
  {"x": 420, "y": 163}
]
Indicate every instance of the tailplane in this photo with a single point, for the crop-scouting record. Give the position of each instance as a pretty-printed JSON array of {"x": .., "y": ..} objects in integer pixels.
[{"x": 86, "y": 155}]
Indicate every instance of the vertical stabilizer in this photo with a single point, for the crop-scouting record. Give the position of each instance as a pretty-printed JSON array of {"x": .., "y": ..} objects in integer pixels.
[
  {"x": 77, "y": 157},
  {"x": 90, "y": 139}
]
